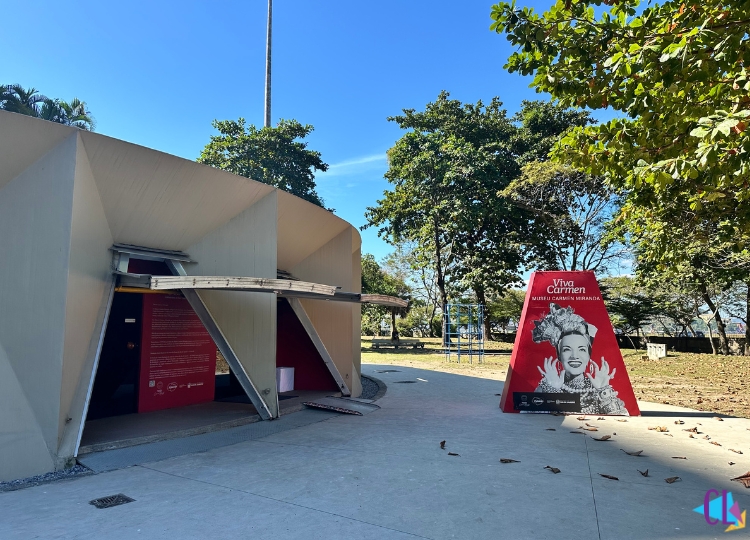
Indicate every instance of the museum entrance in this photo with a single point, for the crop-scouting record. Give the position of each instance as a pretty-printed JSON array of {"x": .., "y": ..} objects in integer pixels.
[
  {"x": 160, "y": 375},
  {"x": 115, "y": 389}
]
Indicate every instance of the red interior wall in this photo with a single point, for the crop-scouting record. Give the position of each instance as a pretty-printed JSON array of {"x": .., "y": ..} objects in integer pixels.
[
  {"x": 178, "y": 356},
  {"x": 294, "y": 348}
]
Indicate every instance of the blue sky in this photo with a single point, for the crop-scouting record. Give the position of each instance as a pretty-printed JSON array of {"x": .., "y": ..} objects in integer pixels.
[{"x": 157, "y": 73}]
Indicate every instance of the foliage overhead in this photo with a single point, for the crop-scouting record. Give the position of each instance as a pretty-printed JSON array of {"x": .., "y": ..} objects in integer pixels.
[
  {"x": 678, "y": 73},
  {"x": 575, "y": 208},
  {"x": 276, "y": 156},
  {"x": 28, "y": 101},
  {"x": 447, "y": 172}
]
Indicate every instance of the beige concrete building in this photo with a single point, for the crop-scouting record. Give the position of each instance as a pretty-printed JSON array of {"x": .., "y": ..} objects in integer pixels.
[{"x": 79, "y": 211}]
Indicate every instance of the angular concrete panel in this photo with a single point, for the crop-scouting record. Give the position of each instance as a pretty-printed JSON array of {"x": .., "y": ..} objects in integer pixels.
[
  {"x": 332, "y": 265},
  {"x": 162, "y": 201},
  {"x": 22, "y": 447},
  {"x": 89, "y": 282},
  {"x": 247, "y": 320},
  {"x": 35, "y": 229}
]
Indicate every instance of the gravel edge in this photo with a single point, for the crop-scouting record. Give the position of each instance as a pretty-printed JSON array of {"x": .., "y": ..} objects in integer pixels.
[
  {"x": 66, "y": 474},
  {"x": 382, "y": 388}
]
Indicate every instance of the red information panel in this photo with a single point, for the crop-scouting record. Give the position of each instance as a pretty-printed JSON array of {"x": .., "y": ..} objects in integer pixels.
[
  {"x": 565, "y": 357},
  {"x": 178, "y": 356}
]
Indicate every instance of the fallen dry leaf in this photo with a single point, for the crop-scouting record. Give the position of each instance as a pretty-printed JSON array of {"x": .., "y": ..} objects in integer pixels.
[
  {"x": 636, "y": 453},
  {"x": 453, "y": 454},
  {"x": 553, "y": 469},
  {"x": 731, "y": 462},
  {"x": 679, "y": 457},
  {"x": 672, "y": 479},
  {"x": 691, "y": 436},
  {"x": 669, "y": 435},
  {"x": 581, "y": 418},
  {"x": 589, "y": 425},
  {"x": 643, "y": 473},
  {"x": 714, "y": 442},
  {"x": 602, "y": 438},
  {"x": 745, "y": 479},
  {"x": 718, "y": 418},
  {"x": 588, "y": 428},
  {"x": 442, "y": 445},
  {"x": 601, "y": 418},
  {"x": 735, "y": 451},
  {"x": 660, "y": 429},
  {"x": 692, "y": 430},
  {"x": 608, "y": 476},
  {"x": 622, "y": 420},
  {"x": 707, "y": 437},
  {"x": 508, "y": 460},
  {"x": 679, "y": 422}
]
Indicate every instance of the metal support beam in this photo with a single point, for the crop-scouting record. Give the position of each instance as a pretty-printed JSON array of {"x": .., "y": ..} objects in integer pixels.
[
  {"x": 221, "y": 342},
  {"x": 299, "y": 310}
]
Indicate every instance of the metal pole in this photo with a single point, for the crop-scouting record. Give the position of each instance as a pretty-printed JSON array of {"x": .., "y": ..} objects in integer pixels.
[{"x": 267, "y": 116}]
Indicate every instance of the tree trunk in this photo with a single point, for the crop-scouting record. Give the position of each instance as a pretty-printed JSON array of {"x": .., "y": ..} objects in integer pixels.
[
  {"x": 482, "y": 300},
  {"x": 720, "y": 328},
  {"x": 747, "y": 320},
  {"x": 394, "y": 330},
  {"x": 431, "y": 330},
  {"x": 440, "y": 278}
]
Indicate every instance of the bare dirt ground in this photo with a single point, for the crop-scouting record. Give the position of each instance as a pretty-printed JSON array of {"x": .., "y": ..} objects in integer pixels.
[{"x": 719, "y": 384}]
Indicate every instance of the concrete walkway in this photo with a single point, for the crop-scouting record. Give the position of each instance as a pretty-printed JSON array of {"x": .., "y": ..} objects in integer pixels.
[{"x": 384, "y": 476}]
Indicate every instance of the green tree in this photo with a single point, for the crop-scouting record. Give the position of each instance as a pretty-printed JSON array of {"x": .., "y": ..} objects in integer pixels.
[
  {"x": 376, "y": 281},
  {"x": 575, "y": 209},
  {"x": 73, "y": 113},
  {"x": 15, "y": 98},
  {"x": 677, "y": 73},
  {"x": 276, "y": 156},
  {"x": 630, "y": 306},
  {"x": 28, "y": 101},
  {"x": 506, "y": 308},
  {"x": 447, "y": 172}
]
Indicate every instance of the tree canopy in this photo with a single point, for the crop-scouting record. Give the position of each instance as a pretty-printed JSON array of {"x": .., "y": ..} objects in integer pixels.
[
  {"x": 676, "y": 71},
  {"x": 276, "y": 156},
  {"x": 28, "y": 101},
  {"x": 447, "y": 173},
  {"x": 375, "y": 280}
]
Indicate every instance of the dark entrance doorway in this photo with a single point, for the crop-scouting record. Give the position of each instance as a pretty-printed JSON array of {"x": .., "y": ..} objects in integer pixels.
[{"x": 116, "y": 384}]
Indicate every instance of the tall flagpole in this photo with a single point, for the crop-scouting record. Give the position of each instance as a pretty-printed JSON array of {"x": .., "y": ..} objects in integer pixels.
[{"x": 267, "y": 116}]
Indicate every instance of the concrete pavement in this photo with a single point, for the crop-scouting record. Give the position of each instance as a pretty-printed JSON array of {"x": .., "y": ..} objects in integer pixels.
[{"x": 384, "y": 476}]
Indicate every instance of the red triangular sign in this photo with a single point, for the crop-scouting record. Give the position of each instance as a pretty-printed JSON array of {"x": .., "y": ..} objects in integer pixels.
[{"x": 565, "y": 357}]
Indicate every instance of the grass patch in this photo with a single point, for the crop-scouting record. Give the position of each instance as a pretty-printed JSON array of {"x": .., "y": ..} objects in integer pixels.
[{"x": 719, "y": 384}]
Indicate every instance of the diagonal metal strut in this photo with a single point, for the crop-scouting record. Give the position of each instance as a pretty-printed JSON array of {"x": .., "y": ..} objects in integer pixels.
[{"x": 221, "y": 342}]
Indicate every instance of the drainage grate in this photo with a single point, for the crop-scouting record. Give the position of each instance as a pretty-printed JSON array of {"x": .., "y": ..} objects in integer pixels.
[
  {"x": 405, "y": 382},
  {"x": 112, "y": 500},
  {"x": 388, "y": 371}
]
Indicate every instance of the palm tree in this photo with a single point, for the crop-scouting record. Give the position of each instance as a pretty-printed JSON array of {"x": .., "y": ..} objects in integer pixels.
[
  {"x": 28, "y": 101},
  {"x": 15, "y": 98},
  {"x": 74, "y": 113}
]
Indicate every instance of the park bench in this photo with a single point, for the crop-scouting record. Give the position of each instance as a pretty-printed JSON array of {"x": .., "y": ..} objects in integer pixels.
[{"x": 396, "y": 344}]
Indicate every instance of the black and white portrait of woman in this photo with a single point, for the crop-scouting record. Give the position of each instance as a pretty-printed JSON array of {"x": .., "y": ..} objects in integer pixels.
[{"x": 573, "y": 371}]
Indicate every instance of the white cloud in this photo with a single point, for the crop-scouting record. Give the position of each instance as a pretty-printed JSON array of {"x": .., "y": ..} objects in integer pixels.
[{"x": 354, "y": 166}]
